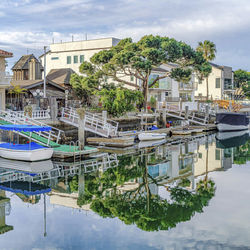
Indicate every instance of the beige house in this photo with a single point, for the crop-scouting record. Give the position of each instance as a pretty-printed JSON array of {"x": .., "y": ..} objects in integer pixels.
[
  {"x": 220, "y": 84},
  {"x": 4, "y": 77}
]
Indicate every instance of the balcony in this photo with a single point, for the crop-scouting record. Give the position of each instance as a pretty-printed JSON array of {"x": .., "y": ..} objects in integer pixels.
[
  {"x": 5, "y": 79},
  {"x": 186, "y": 86}
]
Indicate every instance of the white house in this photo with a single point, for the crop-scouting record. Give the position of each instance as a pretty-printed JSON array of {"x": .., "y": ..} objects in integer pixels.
[
  {"x": 4, "y": 77},
  {"x": 72, "y": 54}
]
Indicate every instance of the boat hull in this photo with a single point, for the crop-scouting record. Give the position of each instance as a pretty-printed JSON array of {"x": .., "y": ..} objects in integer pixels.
[
  {"x": 231, "y": 121},
  {"x": 222, "y": 127},
  {"x": 27, "y": 155},
  {"x": 151, "y": 136},
  {"x": 27, "y": 167}
]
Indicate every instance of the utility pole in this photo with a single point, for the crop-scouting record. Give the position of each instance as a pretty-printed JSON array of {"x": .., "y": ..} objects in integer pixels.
[{"x": 44, "y": 71}]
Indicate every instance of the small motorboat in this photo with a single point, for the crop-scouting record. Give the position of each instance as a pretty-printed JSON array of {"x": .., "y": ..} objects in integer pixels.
[
  {"x": 151, "y": 136},
  {"x": 229, "y": 121},
  {"x": 25, "y": 152}
]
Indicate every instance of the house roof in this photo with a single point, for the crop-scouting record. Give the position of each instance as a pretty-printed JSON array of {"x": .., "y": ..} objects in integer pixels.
[
  {"x": 28, "y": 84},
  {"x": 216, "y": 65},
  {"x": 158, "y": 69},
  {"x": 5, "y": 54},
  {"x": 23, "y": 62},
  {"x": 60, "y": 76}
]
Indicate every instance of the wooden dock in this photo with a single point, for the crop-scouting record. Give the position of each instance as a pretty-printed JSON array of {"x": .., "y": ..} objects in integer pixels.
[
  {"x": 66, "y": 151},
  {"x": 120, "y": 142}
]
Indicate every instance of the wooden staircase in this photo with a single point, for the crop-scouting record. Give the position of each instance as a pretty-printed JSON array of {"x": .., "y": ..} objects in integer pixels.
[
  {"x": 92, "y": 122},
  {"x": 47, "y": 138},
  {"x": 195, "y": 117}
]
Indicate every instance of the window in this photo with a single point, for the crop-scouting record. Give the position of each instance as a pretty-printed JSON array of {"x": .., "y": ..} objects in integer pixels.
[
  {"x": 132, "y": 78},
  {"x": 81, "y": 58},
  {"x": 217, "y": 154},
  {"x": 75, "y": 59},
  {"x": 55, "y": 58},
  {"x": 68, "y": 59},
  {"x": 200, "y": 155},
  {"x": 217, "y": 83},
  {"x": 199, "y": 81}
]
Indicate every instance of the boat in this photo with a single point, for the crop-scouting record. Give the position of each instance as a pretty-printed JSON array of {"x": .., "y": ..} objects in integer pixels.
[
  {"x": 25, "y": 152},
  {"x": 151, "y": 136},
  {"x": 229, "y": 121}
]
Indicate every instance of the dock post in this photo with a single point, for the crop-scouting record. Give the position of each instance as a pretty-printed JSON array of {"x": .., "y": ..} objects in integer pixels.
[
  {"x": 164, "y": 114},
  {"x": 186, "y": 112},
  {"x": 53, "y": 108},
  {"x": 81, "y": 127},
  {"x": 104, "y": 116}
]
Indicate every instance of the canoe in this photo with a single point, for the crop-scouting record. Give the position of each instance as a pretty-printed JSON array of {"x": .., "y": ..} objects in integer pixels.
[
  {"x": 25, "y": 152},
  {"x": 151, "y": 136}
]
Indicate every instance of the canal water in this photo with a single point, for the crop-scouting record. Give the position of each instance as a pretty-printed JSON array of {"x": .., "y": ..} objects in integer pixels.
[{"x": 193, "y": 195}]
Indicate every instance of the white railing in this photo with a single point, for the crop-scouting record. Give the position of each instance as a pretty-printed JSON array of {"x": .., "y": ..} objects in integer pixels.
[
  {"x": 92, "y": 122},
  {"x": 62, "y": 169},
  {"x": 36, "y": 114},
  {"x": 14, "y": 118},
  {"x": 5, "y": 78},
  {"x": 192, "y": 116}
]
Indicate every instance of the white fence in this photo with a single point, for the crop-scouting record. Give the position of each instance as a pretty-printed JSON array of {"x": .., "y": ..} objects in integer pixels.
[{"x": 36, "y": 114}]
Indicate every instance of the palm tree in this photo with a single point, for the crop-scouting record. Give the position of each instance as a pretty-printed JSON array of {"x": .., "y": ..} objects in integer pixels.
[
  {"x": 208, "y": 49},
  {"x": 17, "y": 91}
]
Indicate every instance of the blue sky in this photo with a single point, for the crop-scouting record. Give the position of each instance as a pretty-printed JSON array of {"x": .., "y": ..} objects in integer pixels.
[{"x": 28, "y": 25}]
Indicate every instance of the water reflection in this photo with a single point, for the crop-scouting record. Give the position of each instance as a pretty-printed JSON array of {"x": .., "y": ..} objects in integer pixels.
[{"x": 153, "y": 188}]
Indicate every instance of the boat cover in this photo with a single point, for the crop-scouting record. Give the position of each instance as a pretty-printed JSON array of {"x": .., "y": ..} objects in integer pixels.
[
  {"x": 29, "y": 146},
  {"x": 25, "y": 128},
  {"x": 24, "y": 187},
  {"x": 233, "y": 141},
  {"x": 232, "y": 119}
]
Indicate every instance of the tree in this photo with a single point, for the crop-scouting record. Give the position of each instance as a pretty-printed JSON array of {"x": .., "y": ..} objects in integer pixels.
[
  {"x": 137, "y": 59},
  {"x": 118, "y": 100},
  {"x": 17, "y": 91},
  {"x": 138, "y": 205},
  {"x": 208, "y": 50},
  {"x": 242, "y": 80},
  {"x": 84, "y": 87}
]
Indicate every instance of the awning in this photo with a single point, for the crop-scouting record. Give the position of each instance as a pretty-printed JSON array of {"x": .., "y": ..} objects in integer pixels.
[{"x": 25, "y": 128}]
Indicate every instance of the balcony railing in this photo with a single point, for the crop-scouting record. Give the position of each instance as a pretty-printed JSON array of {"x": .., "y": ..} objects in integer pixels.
[
  {"x": 5, "y": 78},
  {"x": 186, "y": 86}
]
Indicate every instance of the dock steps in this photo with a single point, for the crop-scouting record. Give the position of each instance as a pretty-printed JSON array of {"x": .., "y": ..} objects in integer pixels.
[
  {"x": 92, "y": 122},
  {"x": 47, "y": 138},
  {"x": 195, "y": 117}
]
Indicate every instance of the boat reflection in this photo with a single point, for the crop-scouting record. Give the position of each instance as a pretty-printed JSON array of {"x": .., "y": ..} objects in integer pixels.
[{"x": 154, "y": 188}]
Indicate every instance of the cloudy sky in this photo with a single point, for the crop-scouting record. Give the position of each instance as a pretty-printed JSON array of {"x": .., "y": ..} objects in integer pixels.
[{"x": 28, "y": 25}]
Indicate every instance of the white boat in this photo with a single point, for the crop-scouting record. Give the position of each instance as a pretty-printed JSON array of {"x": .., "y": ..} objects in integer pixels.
[
  {"x": 229, "y": 121},
  {"x": 151, "y": 136},
  {"x": 25, "y": 152},
  {"x": 16, "y": 153}
]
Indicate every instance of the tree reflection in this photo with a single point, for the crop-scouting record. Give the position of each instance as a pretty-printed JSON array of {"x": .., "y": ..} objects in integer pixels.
[{"x": 124, "y": 192}]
